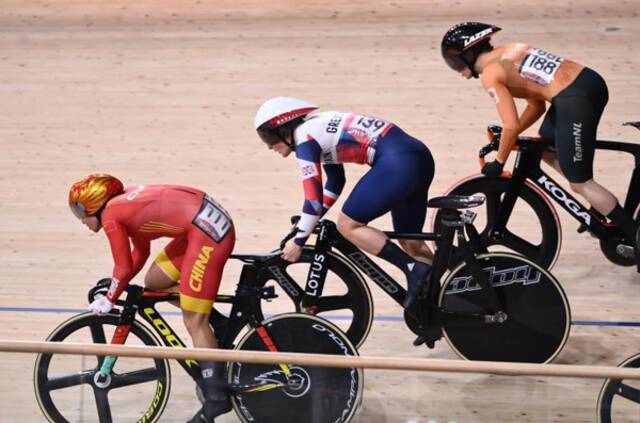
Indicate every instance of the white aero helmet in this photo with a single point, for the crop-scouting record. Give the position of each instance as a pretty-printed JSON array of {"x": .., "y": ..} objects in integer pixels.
[{"x": 275, "y": 113}]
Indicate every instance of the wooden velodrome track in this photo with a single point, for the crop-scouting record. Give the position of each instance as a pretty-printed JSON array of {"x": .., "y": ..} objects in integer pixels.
[{"x": 165, "y": 92}]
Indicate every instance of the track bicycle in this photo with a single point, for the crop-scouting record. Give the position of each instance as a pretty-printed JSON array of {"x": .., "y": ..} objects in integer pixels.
[
  {"x": 519, "y": 214},
  {"x": 121, "y": 389},
  {"x": 619, "y": 400},
  {"x": 488, "y": 306}
]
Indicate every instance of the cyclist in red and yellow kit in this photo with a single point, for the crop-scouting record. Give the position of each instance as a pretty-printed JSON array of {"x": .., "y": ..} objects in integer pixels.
[{"x": 203, "y": 238}]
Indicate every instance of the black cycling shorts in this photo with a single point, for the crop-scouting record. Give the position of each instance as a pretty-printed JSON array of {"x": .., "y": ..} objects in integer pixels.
[{"x": 572, "y": 121}]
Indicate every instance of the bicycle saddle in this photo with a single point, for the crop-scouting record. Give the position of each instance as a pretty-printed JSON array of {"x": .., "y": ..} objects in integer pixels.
[
  {"x": 455, "y": 202},
  {"x": 256, "y": 258}
]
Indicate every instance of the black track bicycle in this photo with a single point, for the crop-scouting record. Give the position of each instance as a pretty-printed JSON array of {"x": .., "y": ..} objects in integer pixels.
[
  {"x": 519, "y": 214},
  {"x": 619, "y": 400},
  {"x": 124, "y": 389},
  {"x": 488, "y": 306}
]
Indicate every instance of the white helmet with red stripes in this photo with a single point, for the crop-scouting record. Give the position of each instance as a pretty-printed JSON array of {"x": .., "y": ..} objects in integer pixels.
[{"x": 276, "y": 112}]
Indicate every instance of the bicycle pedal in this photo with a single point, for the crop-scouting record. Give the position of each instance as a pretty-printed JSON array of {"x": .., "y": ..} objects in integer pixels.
[
  {"x": 583, "y": 228},
  {"x": 424, "y": 339},
  {"x": 420, "y": 339}
]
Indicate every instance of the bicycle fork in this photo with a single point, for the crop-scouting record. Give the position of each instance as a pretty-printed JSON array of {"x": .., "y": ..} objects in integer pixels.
[{"x": 119, "y": 338}]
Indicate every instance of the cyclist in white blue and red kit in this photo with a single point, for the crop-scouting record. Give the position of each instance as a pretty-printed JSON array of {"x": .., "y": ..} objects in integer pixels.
[{"x": 398, "y": 182}]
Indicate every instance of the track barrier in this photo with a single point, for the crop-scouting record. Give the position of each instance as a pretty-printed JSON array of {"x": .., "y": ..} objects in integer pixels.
[{"x": 326, "y": 360}]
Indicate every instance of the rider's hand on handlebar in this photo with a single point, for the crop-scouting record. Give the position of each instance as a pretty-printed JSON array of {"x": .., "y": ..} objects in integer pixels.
[
  {"x": 493, "y": 169},
  {"x": 291, "y": 252},
  {"x": 290, "y": 235},
  {"x": 101, "y": 306}
]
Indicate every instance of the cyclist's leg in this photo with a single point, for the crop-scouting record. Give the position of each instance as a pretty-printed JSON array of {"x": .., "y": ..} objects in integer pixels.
[
  {"x": 547, "y": 130},
  {"x": 550, "y": 157},
  {"x": 360, "y": 234},
  {"x": 376, "y": 193},
  {"x": 393, "y": 177},
  {"x": 368, "y": 238},
  {"x": 409, "y": 218},
  {"x": 164, "y": 273},
  {"x": 575, "y": 140},
  {"x": 577, "y": 123},
  {"x": 417, "y": 249},
  {"x": 390, "y": 181},
  {"x": 409, "y": 215},
  {"x": 598, "y": 196},
  {"x": 602, "y": 199},
  {"x": 200, "y": 278}
]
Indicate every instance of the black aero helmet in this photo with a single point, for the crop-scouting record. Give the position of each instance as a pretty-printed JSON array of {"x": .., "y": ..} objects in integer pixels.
[{"x": 463, "y": 43}]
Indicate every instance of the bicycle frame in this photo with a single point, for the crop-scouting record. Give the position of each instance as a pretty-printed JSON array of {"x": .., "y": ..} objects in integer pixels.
[
  {"x": 426, "y": 313},
  {"x": 245, "y": 310},
  {"x": 527, "y": 166}
]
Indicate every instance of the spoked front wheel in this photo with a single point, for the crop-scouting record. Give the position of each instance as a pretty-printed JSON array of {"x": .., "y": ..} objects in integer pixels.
[
  {"x": 537, "y": 309},
  {"x": 619, "y": 400},
  {"x": 345, "y": 299},
  {"x": 292, "y": 393},
  {"x": 68, "y": 388}
]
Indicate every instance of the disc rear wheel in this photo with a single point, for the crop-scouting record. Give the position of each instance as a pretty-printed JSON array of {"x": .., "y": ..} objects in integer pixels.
[
  {"x": 307, "y": 394},
  {"x": 538, "y": 315}
]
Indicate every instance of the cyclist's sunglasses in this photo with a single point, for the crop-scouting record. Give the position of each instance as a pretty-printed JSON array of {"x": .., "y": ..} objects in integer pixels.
[
  {"x": 78, "y": 210},
  {"x": 455, "y": 62},
  {"x": 270, "y": 135}
]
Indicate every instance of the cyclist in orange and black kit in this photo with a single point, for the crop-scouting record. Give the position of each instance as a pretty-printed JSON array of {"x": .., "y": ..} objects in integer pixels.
[
  {"x": 203, "y": 238},
  {"x": 577, "y": 95}
]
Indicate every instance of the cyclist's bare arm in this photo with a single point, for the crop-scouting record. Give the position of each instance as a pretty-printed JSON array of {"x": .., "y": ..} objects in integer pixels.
[
  {"x": 534, "y": 110},
  {"x": 494, "y": 81}
]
